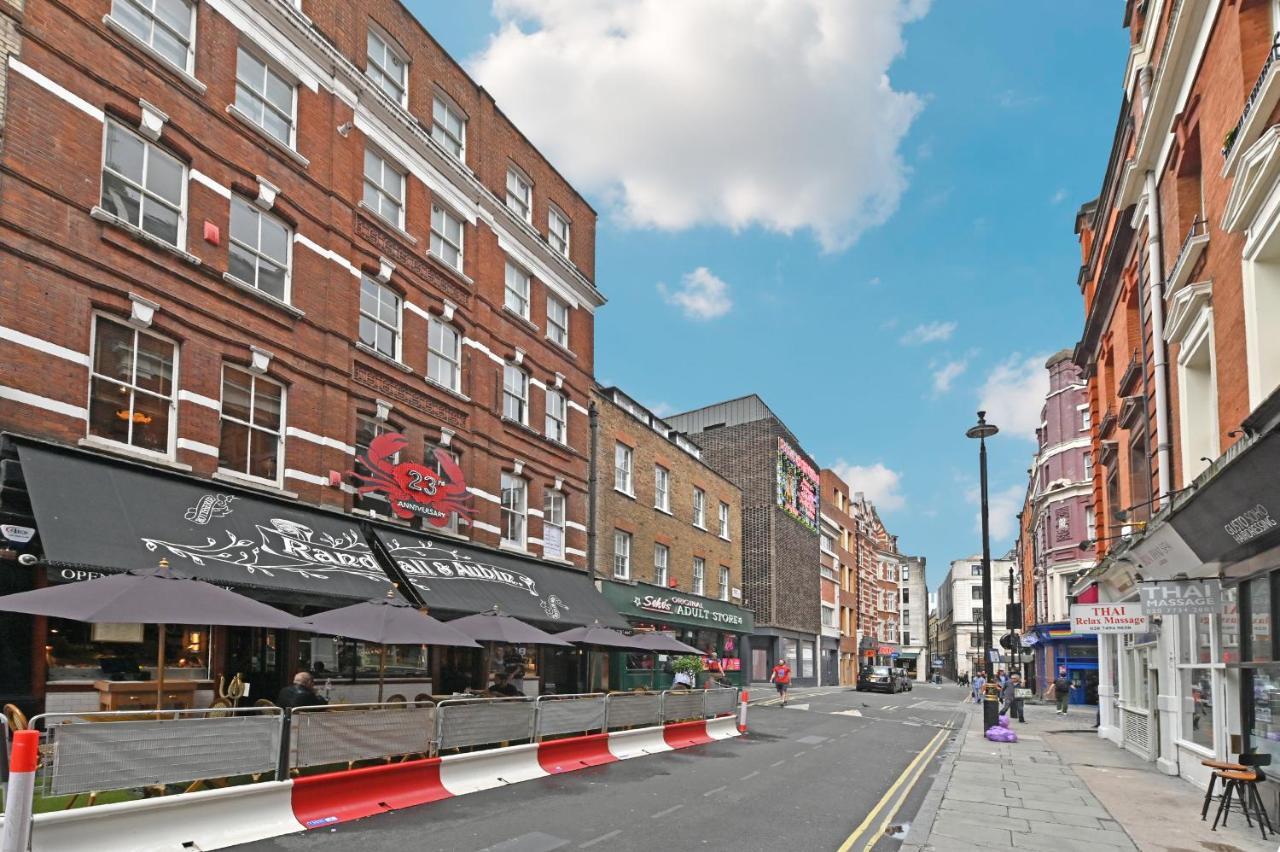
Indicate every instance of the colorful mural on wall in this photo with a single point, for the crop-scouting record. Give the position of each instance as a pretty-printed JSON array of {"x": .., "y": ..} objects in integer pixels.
[{"x": 797, "y": 486}]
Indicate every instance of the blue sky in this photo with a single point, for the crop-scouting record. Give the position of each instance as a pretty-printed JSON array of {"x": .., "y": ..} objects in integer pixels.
[{"x": 873, "y": 328}]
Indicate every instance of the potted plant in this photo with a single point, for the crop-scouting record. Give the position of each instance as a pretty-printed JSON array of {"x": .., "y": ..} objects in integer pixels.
[{"x": 688, "y": 665}]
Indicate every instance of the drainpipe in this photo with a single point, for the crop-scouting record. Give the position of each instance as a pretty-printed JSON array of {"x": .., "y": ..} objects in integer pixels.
[
  {"x": 1155, "y": 265},
  {"x": 593, "y": 416}
]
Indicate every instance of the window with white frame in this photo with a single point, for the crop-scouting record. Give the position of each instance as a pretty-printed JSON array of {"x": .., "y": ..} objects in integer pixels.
[
  {"x": 1086, "y": 420},
  {"x": 557, "y": 321},
  {"x": 449, "y": 127},
  {"x": 166, "y": 26},
  {"x": 828, "y": 616},
  {"x": 258, "y": 251},
  {"x": 557, "y": 417},
  {"x": 444, "y": 354},
  {"x": 1198, "y": 394},
  {"x": 516, "y": 293},
  {"x": 724, "y": 520},
  {"x": 265, "y": 97},
  {"x": 699, "y": 575},
  {"x": 724, "y": 582},
  {"x": 622, "y": 460},
  {"x": 446, "y": 237},
  {"x": 1088, "y": 465},
  {"x": 515, "y": 394},
  {"x": 558, "y": 231},
  {"x": 699, "y": 508},
  {"x": 252, "y": 416},
  {"x": 432, "y": 461},
  {"x": 383, "y": 187},
  {"x": 552, "y": 524},
  {"x": 519, "y": 195},
  {"x": 131, "y": 386},
  {"x": 1090, "y": 526},
  {"x": 515, "y": 510},
  {"x": 368, "y": 428},
  {"x": 1202, "y": 678},
  {"x": 144, "y": 185},
  {"x": 661, "y": 488},
  {"x": 621, "y": 555},
  {"x": 661, "y": 558},
  {"x": 380, "y": 317},
  {"x": 826, "y": 543},
  {"x": 387, "y": 67}
]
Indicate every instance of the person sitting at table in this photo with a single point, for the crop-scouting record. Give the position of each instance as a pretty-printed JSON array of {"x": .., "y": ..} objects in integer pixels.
[
  {"x": 502, "y": 688},
  {"x": 300, "y": 693}
]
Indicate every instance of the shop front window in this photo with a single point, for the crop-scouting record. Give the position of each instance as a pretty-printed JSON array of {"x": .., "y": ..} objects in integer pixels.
[
  {"x": 1257, "y": 635},
  {"x": 1197, "y": 706},
  {"x": 1229, "y": 625},
  {"x": 333, "y": 657},
  {"x": 1264, "y": 721},
  {"x": 78, "y": 651}
]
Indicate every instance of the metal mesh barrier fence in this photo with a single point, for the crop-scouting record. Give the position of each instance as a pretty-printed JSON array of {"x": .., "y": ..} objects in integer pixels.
[
  {"x": 682, "y": 704},
  {"x": 721, "y": 701},
  {"x": 359, "y": 732},
  {"x": 570, "y": 715},
  {"x": 113, "y": 755},
  {"x": 484, "y": 722},
  {"x": 628, "y": 709}
]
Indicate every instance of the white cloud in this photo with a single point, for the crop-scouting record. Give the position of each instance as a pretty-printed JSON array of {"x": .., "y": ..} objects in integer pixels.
[
  {"x": 1058, "y": 197},
  {"x": 878, "y": 482},
  {"x": 662, "y": 409},
  {"x": 930, "y": 332},
  {"x": 948, "y": 373},
  {"x": 1012, "y": 99},
  {"x": 701, "y": 295},
  {"x": 1003, "y": 507},
  {"x": 660, "y": 107},
  {"x": 874, "y": 281},
  {"x": 1013, "y": 394}
]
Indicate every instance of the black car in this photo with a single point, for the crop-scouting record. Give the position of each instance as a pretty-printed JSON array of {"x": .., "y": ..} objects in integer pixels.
[{"x": 878, "y": 679}]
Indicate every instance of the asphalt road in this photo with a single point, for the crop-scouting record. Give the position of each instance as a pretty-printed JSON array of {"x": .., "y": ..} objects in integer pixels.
[{"x": 803, "y": 778}]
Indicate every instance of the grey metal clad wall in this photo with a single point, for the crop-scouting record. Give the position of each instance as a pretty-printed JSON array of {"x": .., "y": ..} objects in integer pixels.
[{"x": 732, "y": 412}]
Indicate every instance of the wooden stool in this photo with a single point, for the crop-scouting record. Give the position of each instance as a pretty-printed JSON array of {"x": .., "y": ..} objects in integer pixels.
[
  {"x": 1243, "y": 784},
  {"x": 1213, "y": 779}
]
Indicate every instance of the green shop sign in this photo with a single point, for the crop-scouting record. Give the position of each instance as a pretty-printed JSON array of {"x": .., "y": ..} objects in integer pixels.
[{"x": 655, "y": 603}]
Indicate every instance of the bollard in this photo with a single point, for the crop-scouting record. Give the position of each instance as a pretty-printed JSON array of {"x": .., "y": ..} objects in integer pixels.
[
  {"x": 22, "y": 788},
  {"x": 742, "y": 713}
]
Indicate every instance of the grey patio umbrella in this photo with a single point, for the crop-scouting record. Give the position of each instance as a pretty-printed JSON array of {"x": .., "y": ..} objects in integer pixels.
[
  {"x": 388, "y": 621},
  {"x": 157, "y": 596},
  {"x": 594, "y": 634},
  {"x": 665, "y": 643},
  {"x": 494, "y": 626}
]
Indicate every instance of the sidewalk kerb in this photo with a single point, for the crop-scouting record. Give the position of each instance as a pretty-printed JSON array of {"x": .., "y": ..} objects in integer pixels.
[{"x": 922, "y": 825}]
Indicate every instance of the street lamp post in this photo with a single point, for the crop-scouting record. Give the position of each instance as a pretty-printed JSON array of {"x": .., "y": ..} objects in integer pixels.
[
  {"x": 982, "y": 431},
  {"x": 1015, "y": 650}
]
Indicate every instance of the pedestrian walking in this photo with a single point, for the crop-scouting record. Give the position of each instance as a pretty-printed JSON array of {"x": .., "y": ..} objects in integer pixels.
[
  {"x": 781, "y": 678},
  {"x": 979, "y": 681},
  {"x": 1062, "y": 690},
  {"x": 1010, "y": 702}
]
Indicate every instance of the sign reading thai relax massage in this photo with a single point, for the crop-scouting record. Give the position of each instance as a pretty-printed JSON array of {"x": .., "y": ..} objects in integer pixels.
[
  {"x": 1108, "y": 618},
  {"x": 797, "y": 486},
  {"x": 1192, "y": 597},
  {"x": 412, "y": 488}
]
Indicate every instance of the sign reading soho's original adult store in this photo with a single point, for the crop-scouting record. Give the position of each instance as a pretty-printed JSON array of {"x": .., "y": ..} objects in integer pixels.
[{"x": 643, "y": 602}]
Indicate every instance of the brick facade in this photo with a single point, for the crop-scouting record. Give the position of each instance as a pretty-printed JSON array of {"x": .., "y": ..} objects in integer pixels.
[
  {"x": 652, "y": 444},
  {"x": 67, "y": 262}
]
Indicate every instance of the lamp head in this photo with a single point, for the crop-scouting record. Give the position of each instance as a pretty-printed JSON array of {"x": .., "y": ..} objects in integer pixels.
[{"x": 983, "y": 429}]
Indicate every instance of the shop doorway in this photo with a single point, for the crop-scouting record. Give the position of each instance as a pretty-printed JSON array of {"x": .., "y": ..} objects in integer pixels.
[
  {"x": 259, "y": 656},
  {"x": 760, "y": 664}
]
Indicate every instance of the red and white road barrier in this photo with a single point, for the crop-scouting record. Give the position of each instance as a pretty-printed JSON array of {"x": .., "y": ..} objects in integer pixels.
[
  {"x": 742, "y": 712},
  {"x": 22, "y": 790}
]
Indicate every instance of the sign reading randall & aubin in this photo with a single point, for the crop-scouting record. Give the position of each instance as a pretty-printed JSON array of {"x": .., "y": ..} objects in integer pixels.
[{"x": 1108, "y": 618}]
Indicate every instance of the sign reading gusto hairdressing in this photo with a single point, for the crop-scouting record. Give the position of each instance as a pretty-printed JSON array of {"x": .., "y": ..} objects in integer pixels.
[
  {"x": 412, "y": 488},
  {"x": 1108, "y": 618},
  {"x": 1192, "y": 597}
]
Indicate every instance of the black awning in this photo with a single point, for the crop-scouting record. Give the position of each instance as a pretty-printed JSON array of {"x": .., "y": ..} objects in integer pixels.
[
  {"x": 1236, "y": 514},
  {"x": 455, "y": 577},
  {"x": 113, "y": 516}
]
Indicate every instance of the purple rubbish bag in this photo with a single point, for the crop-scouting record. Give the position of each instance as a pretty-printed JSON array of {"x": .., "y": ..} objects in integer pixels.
[
  {"x": 1004, "y": 720},
  {"x": 998, "y": 734}
]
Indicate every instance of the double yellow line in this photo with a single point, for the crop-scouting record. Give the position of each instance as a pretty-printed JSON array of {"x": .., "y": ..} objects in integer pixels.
[{"x": 908, "y": 777}]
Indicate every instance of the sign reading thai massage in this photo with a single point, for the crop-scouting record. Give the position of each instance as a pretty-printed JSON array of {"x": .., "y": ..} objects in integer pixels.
[
  {"x": 1192, "y": 597},
  {"x": 412, "y": 488},
  {"x": 798, "y": 486},
  {"x": 1108, "y": 618}
]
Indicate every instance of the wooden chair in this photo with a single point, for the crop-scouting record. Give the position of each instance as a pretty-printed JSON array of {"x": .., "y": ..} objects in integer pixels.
[
  {"x": 423, "y": 699},
  {"x": 1243, "y": 785},
  {"x": 264, "y": 702},
  {"x": 395, "y": 699}
]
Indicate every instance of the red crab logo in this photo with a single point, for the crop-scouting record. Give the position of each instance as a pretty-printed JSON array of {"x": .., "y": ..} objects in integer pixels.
[{"x": 414, "y": 489}]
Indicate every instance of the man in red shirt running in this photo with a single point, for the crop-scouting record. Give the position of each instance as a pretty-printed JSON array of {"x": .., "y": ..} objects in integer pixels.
[{"x": 781, "y": 678}]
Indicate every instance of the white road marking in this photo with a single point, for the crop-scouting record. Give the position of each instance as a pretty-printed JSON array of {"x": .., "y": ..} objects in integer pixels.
[
  {"x": 715, "y": 790},
  {"x": 749, "y": 776},
  {"x": 846, "y": 713},
  {"x": 797, "y": 706},
  {"x": 888, "y": 706},
  {"x": 600, "y": 839},
  {"x": 669, "y": 810},
  {"x": 777, "y": 763}
]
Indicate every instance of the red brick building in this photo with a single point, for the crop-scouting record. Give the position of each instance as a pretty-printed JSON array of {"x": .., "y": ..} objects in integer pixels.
[{"x": 242, "y": 245}]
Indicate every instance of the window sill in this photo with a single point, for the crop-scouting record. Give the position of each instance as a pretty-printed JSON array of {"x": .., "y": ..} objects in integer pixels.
[
  {"x": 562, "y": 347},
  {"x": 557, "y": 443},
  {"x": 106, "y": 218},
  {"x": 181, "y": 73},
  {"x": 700, "y": 527},
  {"x": 264, "y": 296},
  {"x": 666, "y": 512},
  {"x": 724, "y": 538},
  {"x": 512, "y": 547},
  {"x": 523, "y": 426},
  {"x": 93, "y": 442},
  {"x": 452, "y": 271},
  {"x": 459, "y": 395},
  {"x": 384, "y": 222},
  {"x": 630, "y": 495},
  {"x": 247, "y": 481},
  {"x": 288, "y": 151},
  {"x": 369, "y": 350},
  {"x": 520, "y": 318}
]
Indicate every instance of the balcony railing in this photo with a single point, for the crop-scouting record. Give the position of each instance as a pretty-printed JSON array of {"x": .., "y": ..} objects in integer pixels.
[
  {"x": 1234, "y": 136},
  {"x": 1108, "y": 422},
  {"x": 1131, "y": 373},
  {"x": 1188, "y": 255}
]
